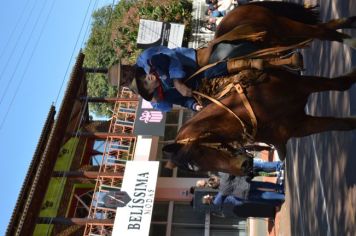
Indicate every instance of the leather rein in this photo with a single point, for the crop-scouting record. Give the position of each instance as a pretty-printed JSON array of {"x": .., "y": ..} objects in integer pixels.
[{"x": 239, "y": 89}]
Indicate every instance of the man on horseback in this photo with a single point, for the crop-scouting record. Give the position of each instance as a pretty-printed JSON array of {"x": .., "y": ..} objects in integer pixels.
[
  {"x": 241, "y": 30},
  {"x": 160, "y": 74}
]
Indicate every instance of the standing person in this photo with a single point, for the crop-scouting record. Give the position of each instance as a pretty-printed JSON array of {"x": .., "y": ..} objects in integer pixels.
[
  {"x": 242, "y": 197},
  {"x": 267, "y": 166},
  {"x": 262, "y": 197},
  {"x": 262, "y": 204},
  {"x": 240, "y": 186},
  {"x": 224, "y": 6},
  {"x": 258, "y": 166}
]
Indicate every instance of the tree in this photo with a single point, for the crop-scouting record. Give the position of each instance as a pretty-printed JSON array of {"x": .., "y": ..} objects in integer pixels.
[
  {"x": 99, "y": 53},
  {"x": 113, "y": 36}
]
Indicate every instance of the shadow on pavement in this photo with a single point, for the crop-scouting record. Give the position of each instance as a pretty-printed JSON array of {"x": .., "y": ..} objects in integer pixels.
[{"x": 322, "y": 168}]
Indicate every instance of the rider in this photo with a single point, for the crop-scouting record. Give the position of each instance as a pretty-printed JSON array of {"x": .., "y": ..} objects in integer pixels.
[{"x": 159, "y": 75}]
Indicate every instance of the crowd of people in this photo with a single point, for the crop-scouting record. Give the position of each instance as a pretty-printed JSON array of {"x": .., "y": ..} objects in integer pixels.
[
  {"x": 216, "y": 10},
  {"x": 242, "y": 195}
]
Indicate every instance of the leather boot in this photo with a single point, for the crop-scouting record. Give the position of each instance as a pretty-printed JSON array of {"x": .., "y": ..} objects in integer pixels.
[
  {"x": 294, "y": 61},
  {"x": 234, "y": 66}
]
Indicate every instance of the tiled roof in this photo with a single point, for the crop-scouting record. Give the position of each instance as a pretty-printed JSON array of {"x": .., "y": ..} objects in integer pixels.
[
  {"x": 31, "y": 170},
  {"x": 35, "y": 184}
]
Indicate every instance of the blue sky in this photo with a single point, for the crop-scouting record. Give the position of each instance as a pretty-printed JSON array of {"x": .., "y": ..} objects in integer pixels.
[{"x": 37, "y": 41}]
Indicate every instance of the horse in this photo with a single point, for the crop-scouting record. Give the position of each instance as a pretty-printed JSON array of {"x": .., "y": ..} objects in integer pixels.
[
  {"x": 272, "y": 25},
  {"x": 277, "y": 99}
]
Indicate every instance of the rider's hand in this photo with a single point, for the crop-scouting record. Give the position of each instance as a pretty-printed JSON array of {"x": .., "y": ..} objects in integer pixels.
[
  {"x": 182, "y": 88},
  {"x": 188, "y": 92},
  {"x": 198, "y": 107}
]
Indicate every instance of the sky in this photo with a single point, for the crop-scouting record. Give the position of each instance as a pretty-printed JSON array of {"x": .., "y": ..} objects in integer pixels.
[{"x": 39, "y": 42}]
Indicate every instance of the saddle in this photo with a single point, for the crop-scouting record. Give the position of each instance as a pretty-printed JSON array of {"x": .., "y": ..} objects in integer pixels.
[
  {"x": 217, "y": 88},
  {"x": 247, "y": 32}
]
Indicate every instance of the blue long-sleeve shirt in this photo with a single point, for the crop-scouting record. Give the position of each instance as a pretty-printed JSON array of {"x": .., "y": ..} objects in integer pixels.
[
  {"x": 172, "y": 96},
  {"x": 176, "y": 64},
  {"x": 170, "y": 64}
]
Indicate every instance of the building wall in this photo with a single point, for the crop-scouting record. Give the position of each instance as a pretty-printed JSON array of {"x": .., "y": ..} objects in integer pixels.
[
  {"x": 172, "y": 213},
  {"x": 176, "y": 189}
]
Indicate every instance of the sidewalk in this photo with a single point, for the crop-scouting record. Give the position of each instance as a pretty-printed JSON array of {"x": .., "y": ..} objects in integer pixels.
[
  {"x": 281, "y": 224},
  {"x": 282, "y": 219}
]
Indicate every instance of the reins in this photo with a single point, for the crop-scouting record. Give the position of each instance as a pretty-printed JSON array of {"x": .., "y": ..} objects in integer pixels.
[
  {"x": 246, "y": 103},
  {"x": 245, "y": 135}
]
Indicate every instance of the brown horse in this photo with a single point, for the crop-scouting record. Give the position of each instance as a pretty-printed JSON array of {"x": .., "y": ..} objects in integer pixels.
[
  {"x": 281, "y": 24},
  {"x": 278, "y": 102}
]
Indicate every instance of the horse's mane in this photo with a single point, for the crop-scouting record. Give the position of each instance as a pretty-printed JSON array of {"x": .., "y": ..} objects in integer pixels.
[{"x": 292, "y": 11}]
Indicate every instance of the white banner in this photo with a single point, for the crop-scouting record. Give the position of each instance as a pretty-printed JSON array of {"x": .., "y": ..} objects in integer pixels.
[
  {"x": 155, "y": 33},
  {"x": 140, "y": 184}
]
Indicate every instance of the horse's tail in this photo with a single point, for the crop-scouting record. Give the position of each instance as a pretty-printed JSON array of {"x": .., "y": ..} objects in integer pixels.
[{"x": 293, "y": 11}]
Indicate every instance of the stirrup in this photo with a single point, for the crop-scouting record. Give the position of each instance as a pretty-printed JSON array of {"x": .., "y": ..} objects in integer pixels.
[
  {"x": 297, "y": 60},
  {"x": 289, "y": 54},
  {"x": 297, "y": 63}
]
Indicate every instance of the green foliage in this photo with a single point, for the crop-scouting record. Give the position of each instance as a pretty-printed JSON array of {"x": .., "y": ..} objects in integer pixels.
[
  {"x": 114, "y": 34},
  {"x": 125, "y": 25},
  {"x": 99, "y": 53}
]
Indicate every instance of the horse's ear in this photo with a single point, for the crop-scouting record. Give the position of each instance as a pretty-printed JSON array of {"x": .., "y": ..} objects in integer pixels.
[{"x": 170, "y": 150}]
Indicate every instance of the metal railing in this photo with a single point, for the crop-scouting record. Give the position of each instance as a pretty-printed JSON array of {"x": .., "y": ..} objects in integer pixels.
[{"x": 118, "y": 149}]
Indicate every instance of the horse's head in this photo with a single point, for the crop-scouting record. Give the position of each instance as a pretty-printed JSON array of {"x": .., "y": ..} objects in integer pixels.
[
  {"x": 195, "y": 156},
  {"x": 195, "y": 146}
]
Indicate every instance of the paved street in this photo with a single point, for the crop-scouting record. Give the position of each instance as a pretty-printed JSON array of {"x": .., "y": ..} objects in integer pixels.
[{"x": 321, "y": 169}]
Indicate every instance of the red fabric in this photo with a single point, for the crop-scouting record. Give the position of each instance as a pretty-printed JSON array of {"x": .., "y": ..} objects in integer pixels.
[{"x": 160, "y": 91}]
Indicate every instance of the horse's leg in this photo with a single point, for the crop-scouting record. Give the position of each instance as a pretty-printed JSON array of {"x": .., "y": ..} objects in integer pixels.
[
  {"x": 341, "y": 23},
  {"x": 312, "y": 84},
  {"x": 281, "y": 150},
  {"x": 295, "y": 29},
  {"x": 312, "y": 125}
]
